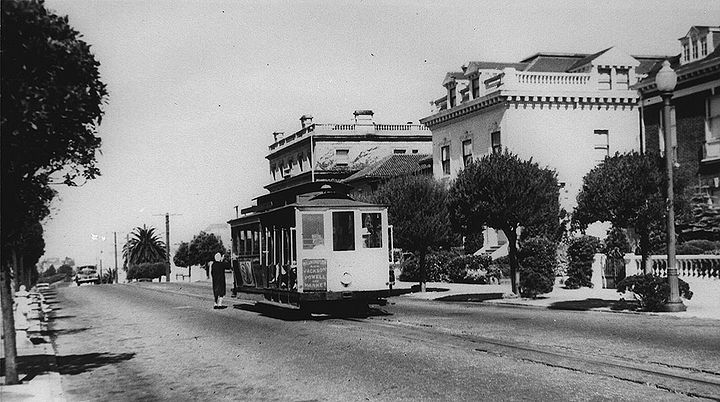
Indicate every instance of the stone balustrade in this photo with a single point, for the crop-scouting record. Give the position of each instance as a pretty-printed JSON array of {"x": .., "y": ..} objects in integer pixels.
[
  {"x": 555, "y": 79},
  {"x": 706, "y": 266}
]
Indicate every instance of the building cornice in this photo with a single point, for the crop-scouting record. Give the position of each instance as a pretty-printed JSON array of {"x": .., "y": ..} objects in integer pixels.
[{"x": 516, "y": 98}]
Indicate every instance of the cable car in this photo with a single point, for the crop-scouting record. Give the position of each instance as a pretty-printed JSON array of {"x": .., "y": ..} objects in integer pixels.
[{"x": 314, "y": 248}]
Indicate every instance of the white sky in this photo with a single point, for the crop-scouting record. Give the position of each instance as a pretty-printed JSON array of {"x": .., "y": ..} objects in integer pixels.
[{"x": 197, "y": 87}]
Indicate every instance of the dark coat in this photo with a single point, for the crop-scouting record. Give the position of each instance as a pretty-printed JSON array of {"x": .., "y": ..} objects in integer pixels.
[{"x": 218, "y": 278}]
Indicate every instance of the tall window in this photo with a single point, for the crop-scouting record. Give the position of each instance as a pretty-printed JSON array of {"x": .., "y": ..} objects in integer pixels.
[
  {"x": 342, "y": 157},
  {"x": 445, "y": 159},
  {"x": 703, "y": 46},
  {"x": 713, "y": 118},
  {"x": 604, "y": 78},
  {"x": 300, "y": 162},
  {"x": 313, "y": 231},
  {"x": 475, "y": 87},
  {"x": 272, "y": 170},
  {"x": 467, "y": 152},
  {"x": 495, "y": 143},
  {"x": 372, "y": 230},
  {"x": 686, "y": 51},
  {"x": 622, "y": 78},
  {"x": 602, "y": 145},
  {"x": 452, "y": 97},
  {"x": 343, "y": 231},
  {"x": 695, "y": 49}
]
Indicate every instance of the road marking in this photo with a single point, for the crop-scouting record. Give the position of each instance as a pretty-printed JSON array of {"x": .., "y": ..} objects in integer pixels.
[{"x": 180, "y": 307}]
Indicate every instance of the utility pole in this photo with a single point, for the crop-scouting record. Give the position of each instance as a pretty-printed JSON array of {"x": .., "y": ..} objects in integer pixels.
[
  {"x": 167, "y": 243},
  {"x": 115, "y": 275}
]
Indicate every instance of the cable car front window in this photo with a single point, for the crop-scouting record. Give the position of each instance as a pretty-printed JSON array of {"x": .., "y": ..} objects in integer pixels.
[
  {"x": 343, "y": 231},
  {"x": 313, "y": 231},
  {"x": 372, "y": 230}
]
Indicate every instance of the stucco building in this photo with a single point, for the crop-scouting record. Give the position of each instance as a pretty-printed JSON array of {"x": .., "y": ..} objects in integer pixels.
[
  {"x": 565, "y": 111},
  {"x": 695, "y": 115},
  {"x": 334, "y": 151}
]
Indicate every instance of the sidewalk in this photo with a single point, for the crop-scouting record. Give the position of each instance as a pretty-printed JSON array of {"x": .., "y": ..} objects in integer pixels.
[
  {"x": 705, "y": 302},
  {"x": 39, "y": 379}
]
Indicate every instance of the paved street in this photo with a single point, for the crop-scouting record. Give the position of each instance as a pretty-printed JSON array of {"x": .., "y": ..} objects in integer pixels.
[{"x": 155, "y": 341}]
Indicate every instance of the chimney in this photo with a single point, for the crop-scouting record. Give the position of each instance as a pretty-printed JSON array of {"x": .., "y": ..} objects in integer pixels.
[
  {"x": 364, "y": 117},
  {"x": 306, "y": 120},
  {"x": 278, "y": 135}
]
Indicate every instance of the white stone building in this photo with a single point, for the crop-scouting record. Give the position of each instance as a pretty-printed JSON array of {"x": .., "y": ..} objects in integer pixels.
[{"x": 565, "y": 111}]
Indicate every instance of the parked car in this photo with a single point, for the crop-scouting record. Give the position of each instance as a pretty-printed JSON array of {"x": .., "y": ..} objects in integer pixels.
[{"x": 87, "y": 274}]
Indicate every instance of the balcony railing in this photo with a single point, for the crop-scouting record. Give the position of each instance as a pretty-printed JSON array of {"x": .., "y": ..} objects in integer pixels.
[{"x": 321, "y": 127}]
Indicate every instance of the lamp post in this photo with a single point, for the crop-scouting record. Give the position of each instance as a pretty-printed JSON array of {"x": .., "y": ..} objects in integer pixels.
[{"x": 666, "y": 79}]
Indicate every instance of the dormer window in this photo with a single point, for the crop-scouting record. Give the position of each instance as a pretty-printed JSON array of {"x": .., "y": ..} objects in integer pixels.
[
  {"x": 703, "y": 47},
  {"x": 452, "y": 96},
  {"x": 694, "y": 49},
  {"x": 475, "y": 83},
  {"x": 604, "y": 78},
  {"x": 686, "y": 52},
  {"x": 622, "y": 78}
]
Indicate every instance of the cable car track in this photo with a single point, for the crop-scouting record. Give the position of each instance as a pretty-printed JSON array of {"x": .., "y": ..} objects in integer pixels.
[{"x": 678, "y": 379}]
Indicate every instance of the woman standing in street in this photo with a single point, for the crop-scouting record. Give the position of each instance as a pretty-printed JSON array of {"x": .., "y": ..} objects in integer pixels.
[{"x": 217, "y": 272}]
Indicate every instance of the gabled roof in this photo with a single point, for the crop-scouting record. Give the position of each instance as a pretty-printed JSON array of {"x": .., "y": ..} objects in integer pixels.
[
  {"x": 700, "y": 29},
  {"x": 389, "y": 166},
  {"x": 455, "y": 75},
  {"x": 552, "y": 62},
  {"x": 474, "y": 66},
  {"x": 608, "y": 57}
]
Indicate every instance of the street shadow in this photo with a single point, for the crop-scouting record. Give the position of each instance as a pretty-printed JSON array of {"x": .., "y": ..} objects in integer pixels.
[
  {"x": 29, "y": 365},
  {"x": 67, "y": 331},
  {"x": 61, "y": 317},
  {"x": 280, "y": 313},
  {"x": 78, "y": 364},
  {"x": 416, "y": 288},
  {"x": 290, "y": 314},
  {"x": 472, "y": 297},
  {"x": 589, "y": 304}
]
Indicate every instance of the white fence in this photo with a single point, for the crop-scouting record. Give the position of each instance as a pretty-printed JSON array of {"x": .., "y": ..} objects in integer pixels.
[{"x": 704, "y": 267}]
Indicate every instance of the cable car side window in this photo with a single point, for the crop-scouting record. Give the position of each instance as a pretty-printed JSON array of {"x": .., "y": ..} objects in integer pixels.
[
  {"x": 372, "y": 230},
  {"x": 313, "y": 231},
  {"x": 343, "y": 231}
]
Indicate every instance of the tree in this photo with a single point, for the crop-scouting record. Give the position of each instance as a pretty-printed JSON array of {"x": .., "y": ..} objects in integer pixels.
[
  {"x": 417, "y": 209},
  {"x": 506, "y": 193},
  {"x": 182, "y": 256},
  {"x": 143, "y": 246},
  {"x": 202, "y": 249},
  {"x": 628, "y": 190},
  {"x": 50, "y": 100}
]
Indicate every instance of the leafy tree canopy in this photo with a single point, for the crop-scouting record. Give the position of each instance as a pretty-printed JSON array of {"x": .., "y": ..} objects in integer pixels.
[
  {"x": 504, "y": 192},
  {"x": 203, "y": 247},
  {"x": 182, "y": 255},
  {"x": 417, "y": 209}
]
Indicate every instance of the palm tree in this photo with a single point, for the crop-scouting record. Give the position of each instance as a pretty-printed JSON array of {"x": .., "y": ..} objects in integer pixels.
[{"x": 143, "y": 246}]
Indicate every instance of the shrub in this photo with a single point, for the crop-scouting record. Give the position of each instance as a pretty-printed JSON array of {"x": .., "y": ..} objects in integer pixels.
[
  {"x": 50, "y": 271},
  {"x": 471, "y": 269},
  {"x": 146, "y": 270},
  {"x": 537, "y": 258},
  {"x": 652, "y": 291},
  {"x": 581, "y": 252},
  {"x": 616, "y": 239},
  {"x": 698, "y": 246}
]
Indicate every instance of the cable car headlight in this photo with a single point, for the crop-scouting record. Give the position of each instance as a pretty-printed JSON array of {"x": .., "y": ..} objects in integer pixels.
[{"x": 346, "y": 279}]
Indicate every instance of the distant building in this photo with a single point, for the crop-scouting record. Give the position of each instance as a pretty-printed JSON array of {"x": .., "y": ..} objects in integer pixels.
[
  {"x": 565, "y": 111},
  {"x": 371, "y": 177},
  {"x": 695, "y": 116},
  {"x": 334, "y": 151}
]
